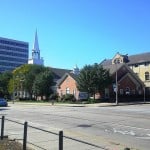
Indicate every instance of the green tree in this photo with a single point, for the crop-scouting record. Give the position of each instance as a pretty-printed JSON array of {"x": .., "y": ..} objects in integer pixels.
[
  {"x": 30, "y": 76},
  {"x": 4, "y": 81},
  {"x": 85, "y": 80},
  {"x": 23, "y": 78},
  {"x": 93, "y": 78},
  {"x": 102, "y": 78},
  {"x": 42, "y": 84}
]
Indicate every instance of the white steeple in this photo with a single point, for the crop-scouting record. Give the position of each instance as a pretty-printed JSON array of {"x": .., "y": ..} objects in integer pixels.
[
  {"x": 36, "y": 59},
  {"x": 36, "y": 50},
  {"x": 36, "y": 43}
]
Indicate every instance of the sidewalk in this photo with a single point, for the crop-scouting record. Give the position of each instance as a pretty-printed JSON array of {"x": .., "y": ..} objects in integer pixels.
[
  {"x": 80, "y": 105},
  {"x": 101, "y": 104}
]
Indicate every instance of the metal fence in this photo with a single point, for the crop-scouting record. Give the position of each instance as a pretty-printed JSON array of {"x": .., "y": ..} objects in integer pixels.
[{"x": 28, "y": 134}]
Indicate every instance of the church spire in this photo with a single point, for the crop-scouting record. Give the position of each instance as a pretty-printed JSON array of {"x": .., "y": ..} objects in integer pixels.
[
  {"x": 36, "y": 43},
  {"x": 76, "y": 70},
  {"x": 36, "y": 59}
]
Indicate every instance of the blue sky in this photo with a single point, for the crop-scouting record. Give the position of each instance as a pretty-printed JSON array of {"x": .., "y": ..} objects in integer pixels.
[{"x": 78, "y": 32}]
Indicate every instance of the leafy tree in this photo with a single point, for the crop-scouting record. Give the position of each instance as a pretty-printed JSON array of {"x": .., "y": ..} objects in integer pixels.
[
  {"x": 102, "y": 78},
  {"x": 30, "y": 76},
  {"x": 93, "y": 78},
  {"x": 85, "y": 80},
  {"x": 4, "y": 80},
  {"x": 42, "y": 84},
  {"x": 23, "y": 78}
]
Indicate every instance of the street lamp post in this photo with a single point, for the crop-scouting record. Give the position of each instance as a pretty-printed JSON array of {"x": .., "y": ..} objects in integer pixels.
[
  {"x": 116, "y": 85},
  {"x": 116, "y": 61},
  {"x": 13, "y": 90},
  {"x": 144, "y": 93},
  {"x": 21, "y": 91}
]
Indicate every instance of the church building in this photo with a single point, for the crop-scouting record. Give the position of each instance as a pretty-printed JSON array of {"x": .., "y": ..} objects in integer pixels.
[
  {"x": 139, "y": 64},
  {"x": 36, "y": 59}
]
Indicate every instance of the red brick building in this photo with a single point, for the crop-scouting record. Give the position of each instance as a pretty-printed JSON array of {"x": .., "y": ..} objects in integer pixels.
[
  {"x": 67, "y": 85},
  {"x": 128, "y": 83}
]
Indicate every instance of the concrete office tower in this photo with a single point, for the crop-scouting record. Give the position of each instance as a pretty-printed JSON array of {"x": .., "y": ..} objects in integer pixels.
[
  {"x": 36, "y": 59},
  {"x": 13, "y": 53}
]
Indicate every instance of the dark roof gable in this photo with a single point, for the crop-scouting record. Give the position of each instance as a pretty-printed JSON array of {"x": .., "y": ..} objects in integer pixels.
[
  {"x": 58, "y": 73},
  {"x": 74, "y": 76},
  {"x": 133, "y": 59},
  {"x": 139, "y": 58}
]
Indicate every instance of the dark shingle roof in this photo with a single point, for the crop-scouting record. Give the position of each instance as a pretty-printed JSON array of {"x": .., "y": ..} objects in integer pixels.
[
  {"x": 139, "y": 58},
  {"x": 74, "y": 76},
  {"x": 106, "y": 62},
  {"x": 58, "y": 73},
  {"x": 133, "y": 59},
  {"x": 112, "y": 68}
]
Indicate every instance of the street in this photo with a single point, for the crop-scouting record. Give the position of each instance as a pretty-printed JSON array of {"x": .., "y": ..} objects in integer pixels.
[{"x": 110, "y": 127}]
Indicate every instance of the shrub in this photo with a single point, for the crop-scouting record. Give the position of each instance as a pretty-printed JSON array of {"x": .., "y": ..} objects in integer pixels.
[
  {"x": 91, "y": 101},
  {"x": 68, "y": 97},
  {"x": 54, "y": 96},
  {"x": 126, "y": 148}
]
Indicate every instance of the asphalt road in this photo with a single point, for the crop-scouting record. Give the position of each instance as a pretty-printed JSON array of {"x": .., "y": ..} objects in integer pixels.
[{"x": 111, "y": 127}]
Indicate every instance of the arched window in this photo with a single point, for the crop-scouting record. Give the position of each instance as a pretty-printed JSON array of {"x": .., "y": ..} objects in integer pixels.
[
  {"x": 127, "y": 91},
  {"x": 67, "y": 91},
  {"x": 117, "y": 61},
  {"x": 147, "y": 77}
]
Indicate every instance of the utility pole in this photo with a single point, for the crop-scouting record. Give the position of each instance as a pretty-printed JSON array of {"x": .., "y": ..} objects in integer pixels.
[
  {"x": 116, "y": 61},
  {"x": 13, "y": 90},
  {"x": 144, "y": 93},
  {"x": 116, "y": 85}
]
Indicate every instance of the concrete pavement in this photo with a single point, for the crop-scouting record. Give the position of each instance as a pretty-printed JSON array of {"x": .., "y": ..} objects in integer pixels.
[
  {"x": 80, "y": 105},
  {"x": 87, "y": 122}
]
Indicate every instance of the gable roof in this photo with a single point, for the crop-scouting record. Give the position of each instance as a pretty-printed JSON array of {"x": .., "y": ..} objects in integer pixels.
[
  {"x": 134, "y": 79},
  {"x": 74, "y": 76},
  {"x": 133, "y": 59},
  {"x": 139, "y": 58},
  {"x": 58, "y": 73},
  {"x": 112, "y": 68},
  {"x": 106, "y": 62}
]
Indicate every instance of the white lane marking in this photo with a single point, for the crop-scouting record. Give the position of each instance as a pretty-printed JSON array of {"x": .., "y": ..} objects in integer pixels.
[
  {"x": 144, "y": 138},
  {"x": 148, "y": 134},
  {"x": 124, "y": 132},
  {"x": 138, "y": 128}
]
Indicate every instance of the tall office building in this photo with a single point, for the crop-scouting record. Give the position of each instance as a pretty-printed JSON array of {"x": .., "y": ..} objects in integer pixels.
[{"x": 13, "y": 53}]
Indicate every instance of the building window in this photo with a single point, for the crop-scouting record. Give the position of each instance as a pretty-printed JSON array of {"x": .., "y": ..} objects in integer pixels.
[
  {"x": 61, "y": 92},
  {"x": 117, "y": 61},
  {"x": 74, "y": 92},
  {"x": 146, "y": 64},
  {"x": 121, "y": 91},
  {"x": 147, "y": 90},
  {"x": 133, "y": 92},
  {"x": 67, "y": 91},
  {"x": 147, "y": 76},
  {"x": 106, "y": 93},
  {"x": 127, "y": 91}
]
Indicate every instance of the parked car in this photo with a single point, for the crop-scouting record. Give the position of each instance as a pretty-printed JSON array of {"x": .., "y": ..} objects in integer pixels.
[{"x": 3, "y": 102}]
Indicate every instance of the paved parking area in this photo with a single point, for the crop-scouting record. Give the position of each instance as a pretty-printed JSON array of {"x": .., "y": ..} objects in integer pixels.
[{"x": 111, "y": 127}]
